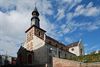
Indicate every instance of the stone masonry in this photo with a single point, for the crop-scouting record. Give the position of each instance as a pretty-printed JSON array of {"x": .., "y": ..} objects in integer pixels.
[{"x": 57, "y": 62}]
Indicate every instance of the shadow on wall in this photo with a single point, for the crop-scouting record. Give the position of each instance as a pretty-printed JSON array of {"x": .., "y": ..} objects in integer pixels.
[{"x": 39, "y": 56}]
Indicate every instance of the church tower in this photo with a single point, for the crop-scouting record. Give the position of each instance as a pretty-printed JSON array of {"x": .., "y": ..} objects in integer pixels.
[
  {"x": 33, "y": 51},
  {"x": 34, "y": 34}
]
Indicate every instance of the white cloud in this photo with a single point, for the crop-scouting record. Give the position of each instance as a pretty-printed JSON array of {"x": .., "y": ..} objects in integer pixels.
[
  {"x": 46, "y": 7},
  {"x": 89, "y": 5},
  {"x": 68, "y": 27},
  {"x": 13, "y": 23},
  {"x": 60, "y": 14},
  {"x": 62, "y": 8},
  {"x": 71, "y": 3},
  {"x": 89, "y": 26},
  {"x": 6, "y": 3},
  {"x": 69, "y": 17},
  {"x": 68, "y": 40},
  {"x": 74, "y": 26},
  {"x": 65, "y": 28},
  {"x": 28, "y": 5},
  {"x": 92, "y": 27},
  {"x": 9, "y": 46},
  {"x": 12, "y": 27},
  {"x": 89, "y": 10}
]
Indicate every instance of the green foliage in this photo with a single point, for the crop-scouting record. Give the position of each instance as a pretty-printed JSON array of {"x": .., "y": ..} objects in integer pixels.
[{"x": 86, "y": 58}]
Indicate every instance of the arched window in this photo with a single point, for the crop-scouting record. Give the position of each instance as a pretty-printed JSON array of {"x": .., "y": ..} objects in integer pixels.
[
  {"x": 39, "y": 33},
  {"x": 21, "y": 59},
  {"x": 29, "y": 59},
  {"x": 65, "y": 55},
  {"x": 59, "y": 54}
]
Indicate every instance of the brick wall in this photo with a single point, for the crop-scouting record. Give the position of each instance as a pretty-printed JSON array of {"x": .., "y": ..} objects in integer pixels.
[
  {"x": 69, "y": 63},
  {"x": 64, "y": 63}
]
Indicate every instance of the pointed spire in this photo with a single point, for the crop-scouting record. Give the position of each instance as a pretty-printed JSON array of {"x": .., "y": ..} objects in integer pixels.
[
  {"x": 35, "y": 11},
  {"x": 79, "y": 41}
]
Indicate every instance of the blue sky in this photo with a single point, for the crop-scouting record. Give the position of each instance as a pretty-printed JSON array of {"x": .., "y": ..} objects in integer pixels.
[{"x": 65, "y": 20}]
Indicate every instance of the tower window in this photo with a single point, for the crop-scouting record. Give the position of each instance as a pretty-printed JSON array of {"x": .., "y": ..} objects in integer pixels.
[
  {"x": 39, "y": 33},
  {"x": 72, "y": 49}
]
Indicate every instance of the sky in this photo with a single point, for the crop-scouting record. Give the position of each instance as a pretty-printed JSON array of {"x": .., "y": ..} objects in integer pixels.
[{"x": 67, "y": 21}]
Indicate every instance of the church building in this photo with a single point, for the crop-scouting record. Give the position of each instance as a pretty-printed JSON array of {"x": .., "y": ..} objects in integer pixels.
[{"x": 39, "y": 48}]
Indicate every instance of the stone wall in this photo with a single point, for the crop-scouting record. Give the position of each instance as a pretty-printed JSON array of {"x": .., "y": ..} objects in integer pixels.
[
  {"x": 64, "y": 63},
  {"x": 69, "y": 63},
  {"x": 40, "y": 55},
  {"x": 57, "y": 52}
]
